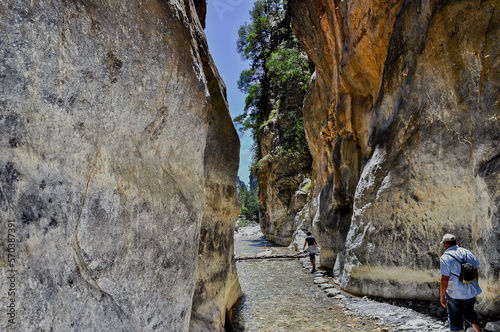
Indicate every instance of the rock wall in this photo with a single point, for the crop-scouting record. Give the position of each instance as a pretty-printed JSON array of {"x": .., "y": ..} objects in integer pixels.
[
  {"x": 217, "y": 286},
  {"x": 282, "y": 178},
  {"x": 284, "y": 161},
  {"x": 111, "y": 116},
  {"x": 402, "y": 121}
]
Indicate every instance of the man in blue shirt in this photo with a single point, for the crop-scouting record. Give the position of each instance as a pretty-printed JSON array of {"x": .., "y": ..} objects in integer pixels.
[{"x": 458, "y": 297}]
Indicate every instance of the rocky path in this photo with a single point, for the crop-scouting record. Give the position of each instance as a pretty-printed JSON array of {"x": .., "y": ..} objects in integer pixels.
[
  {"x": 282, "y": 295},
  {"x": 407, "y": 316}
]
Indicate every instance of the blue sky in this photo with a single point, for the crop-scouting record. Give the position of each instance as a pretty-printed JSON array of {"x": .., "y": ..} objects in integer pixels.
[{"x": 224, "y": 17}]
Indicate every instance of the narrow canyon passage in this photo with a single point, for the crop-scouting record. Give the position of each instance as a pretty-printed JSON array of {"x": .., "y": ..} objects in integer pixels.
[{"x": 279, "y": 295}]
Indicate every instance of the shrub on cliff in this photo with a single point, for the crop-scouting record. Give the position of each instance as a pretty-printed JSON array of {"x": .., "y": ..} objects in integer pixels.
[{"x": 274, "y": 84}]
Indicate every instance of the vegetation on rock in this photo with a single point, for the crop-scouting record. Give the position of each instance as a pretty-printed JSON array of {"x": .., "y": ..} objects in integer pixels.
[{"x": 278, "y": 65}]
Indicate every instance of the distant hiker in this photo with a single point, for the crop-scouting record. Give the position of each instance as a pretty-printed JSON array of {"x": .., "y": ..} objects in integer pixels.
[
  {"x": 458, "y": 292},
  {"x": 312, "y": 249}
]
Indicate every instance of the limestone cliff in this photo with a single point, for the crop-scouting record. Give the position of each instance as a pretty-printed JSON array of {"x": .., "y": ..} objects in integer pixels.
[
  {"x": 283, "y": 161},
  {"x": 282, "y": 177},
  {"x": 402, "y": 119},
  {"x": 117, "y": 159}
]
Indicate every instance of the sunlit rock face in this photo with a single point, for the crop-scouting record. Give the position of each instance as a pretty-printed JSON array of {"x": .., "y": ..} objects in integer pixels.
[
  {"x": 111, "y": 116},
  {"x": 402, "y": 119},
  {"x": 348, "y": 43}
]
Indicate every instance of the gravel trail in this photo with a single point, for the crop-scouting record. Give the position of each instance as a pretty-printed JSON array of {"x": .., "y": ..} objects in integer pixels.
[{"x": 281, "y": 295}]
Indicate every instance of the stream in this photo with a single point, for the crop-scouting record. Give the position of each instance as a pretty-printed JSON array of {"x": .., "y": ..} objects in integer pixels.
[{"x": 280, "y": 295}]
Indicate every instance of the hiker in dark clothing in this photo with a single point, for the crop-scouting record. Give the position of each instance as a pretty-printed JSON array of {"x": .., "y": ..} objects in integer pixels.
[{"x": 312, "y": 249}]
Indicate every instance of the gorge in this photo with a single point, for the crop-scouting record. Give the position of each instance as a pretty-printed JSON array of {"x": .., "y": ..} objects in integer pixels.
[
  {"x": 401, "y": 119},
  {"x": 118, "y": 157}
]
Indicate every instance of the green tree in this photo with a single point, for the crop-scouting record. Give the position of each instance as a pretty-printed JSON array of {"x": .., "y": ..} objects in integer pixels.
[
  {"x": 255, "y": 44},
  {"x": 288, "y": 64},
  {"x": 249, "y": 200},
  {"x": 276, "y": 58}
]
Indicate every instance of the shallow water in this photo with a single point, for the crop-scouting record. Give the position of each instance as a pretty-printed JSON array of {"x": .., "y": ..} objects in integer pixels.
[{"x": 279, "y": 295}]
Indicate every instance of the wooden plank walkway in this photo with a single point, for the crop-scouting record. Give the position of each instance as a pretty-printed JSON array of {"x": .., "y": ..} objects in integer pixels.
[{"x": 282, "y": 256}]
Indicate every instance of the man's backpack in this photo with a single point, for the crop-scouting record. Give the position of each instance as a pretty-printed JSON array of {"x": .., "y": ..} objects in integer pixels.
[{"x": 467, "y": 274}]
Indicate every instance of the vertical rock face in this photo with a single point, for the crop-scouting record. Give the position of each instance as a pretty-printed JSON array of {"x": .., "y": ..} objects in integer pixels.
[
  {"x": 402, "y": 119},
  {"x": 217, "y": 286},
  {"x": 354, "y": 38},
  {"x": 283, "y": 162},
  {"x": 283, "y": 177},
  {"x": 110, "y": 115}
]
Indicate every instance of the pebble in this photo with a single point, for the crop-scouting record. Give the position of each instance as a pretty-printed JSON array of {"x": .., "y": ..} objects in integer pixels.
[
  {"x": 320, "y": 280},
  {"x": 325, "y": 286}
]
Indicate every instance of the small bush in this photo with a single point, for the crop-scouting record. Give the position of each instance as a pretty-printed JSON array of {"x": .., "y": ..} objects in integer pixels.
[{"x": 244, "y": 223}]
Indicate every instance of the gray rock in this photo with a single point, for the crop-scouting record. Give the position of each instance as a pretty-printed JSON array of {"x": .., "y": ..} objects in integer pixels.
[
  {"x": 414, "y": 323},
  {"x": 332, "y": 292},
  {"x": 320, "y": 280},
  {"x": 118, "y": 164},
  {"x": 326, "y": 286},
  {"x": 493, "y": 326}
]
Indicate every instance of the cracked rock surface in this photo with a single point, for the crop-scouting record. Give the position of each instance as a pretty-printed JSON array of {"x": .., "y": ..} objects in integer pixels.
[
  {"x": 402, "y": 121},
  {"x": 117, "y": 157}
]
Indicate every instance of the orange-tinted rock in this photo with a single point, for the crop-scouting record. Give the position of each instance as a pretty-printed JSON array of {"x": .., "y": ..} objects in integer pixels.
[{"x": 402, "y": 122}]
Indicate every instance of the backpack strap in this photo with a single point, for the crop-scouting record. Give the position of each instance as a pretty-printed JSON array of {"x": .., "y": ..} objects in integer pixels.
[{"x": 447, "y": 253}]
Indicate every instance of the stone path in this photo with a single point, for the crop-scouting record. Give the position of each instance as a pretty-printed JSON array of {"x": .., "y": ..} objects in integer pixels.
[
  {"x": 279, "y": 295},
  {"x": 387, "y": 316}
]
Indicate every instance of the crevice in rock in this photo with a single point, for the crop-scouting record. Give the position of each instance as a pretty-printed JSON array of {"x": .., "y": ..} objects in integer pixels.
[
  {"x": 80, "y": 261},
  {"x": 491, "y": 167}
]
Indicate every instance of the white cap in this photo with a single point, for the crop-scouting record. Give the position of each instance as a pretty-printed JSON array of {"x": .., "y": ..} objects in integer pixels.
[{"x": 447, "y": 238}]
